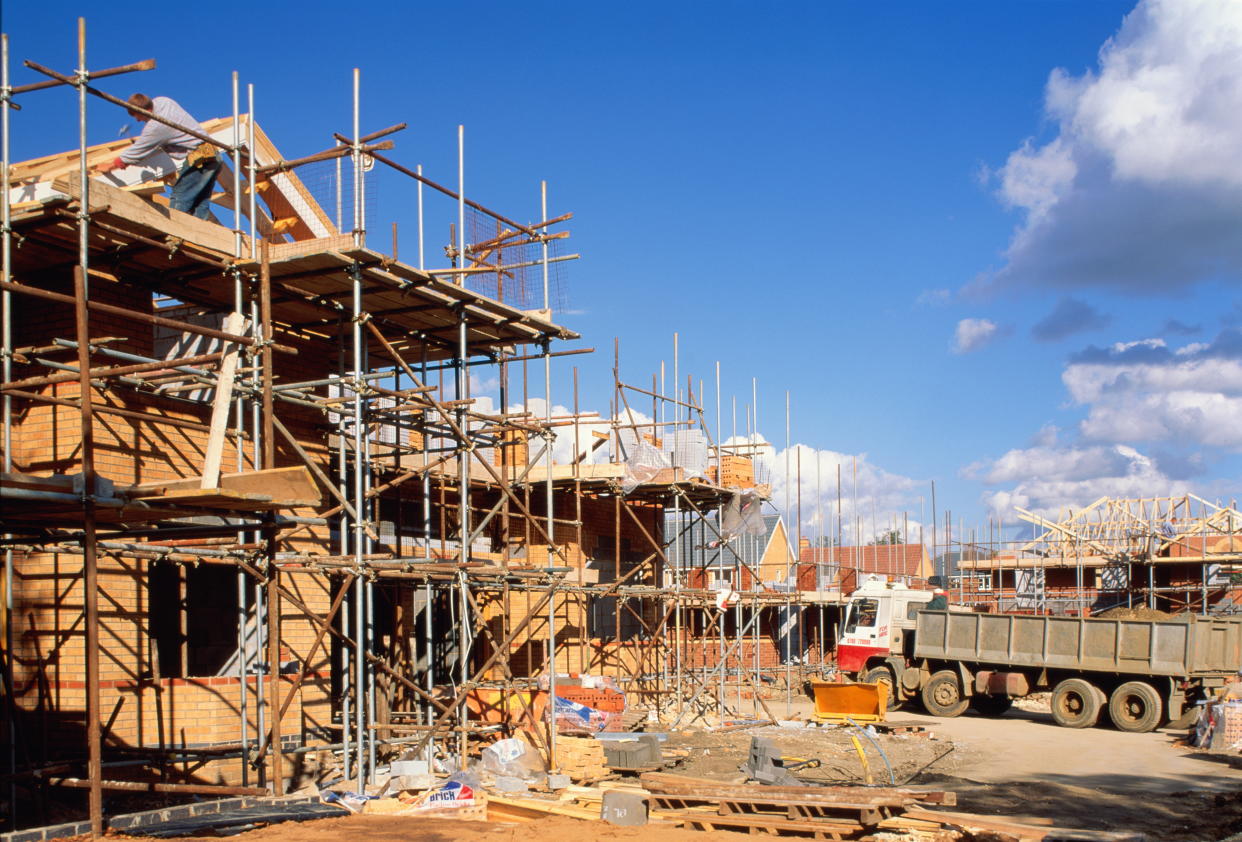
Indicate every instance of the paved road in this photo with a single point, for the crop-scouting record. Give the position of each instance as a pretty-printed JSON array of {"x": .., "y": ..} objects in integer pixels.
[{"x": 1028, "y": 746}]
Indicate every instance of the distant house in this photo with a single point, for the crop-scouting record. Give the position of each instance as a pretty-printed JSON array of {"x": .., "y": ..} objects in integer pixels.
[
  {"x": 746, "y": 563},
  {"x": 841, "y": 568}
]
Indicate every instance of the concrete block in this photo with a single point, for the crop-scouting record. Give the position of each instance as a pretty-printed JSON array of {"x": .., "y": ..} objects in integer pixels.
[
  {"x": 507, "y": 783},
  {"x": 623, "y": 808}
]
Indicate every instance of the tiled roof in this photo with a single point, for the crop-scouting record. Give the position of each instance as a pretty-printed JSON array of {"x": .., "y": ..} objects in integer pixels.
[{"x": 694, "y": 550}]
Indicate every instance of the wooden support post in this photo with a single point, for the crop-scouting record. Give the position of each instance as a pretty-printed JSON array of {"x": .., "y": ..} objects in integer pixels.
[
  {"x": 265, "y": 319},
  {"x": 273, "y": 657},
  {"x": 233, "y": 323}
]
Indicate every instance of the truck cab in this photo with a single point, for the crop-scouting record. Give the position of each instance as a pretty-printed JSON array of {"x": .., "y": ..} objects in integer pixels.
[{"x": 879, "y": 619}]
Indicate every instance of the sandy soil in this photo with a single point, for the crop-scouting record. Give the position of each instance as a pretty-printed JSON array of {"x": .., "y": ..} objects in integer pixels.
[{"x": 1020, "y": 765}]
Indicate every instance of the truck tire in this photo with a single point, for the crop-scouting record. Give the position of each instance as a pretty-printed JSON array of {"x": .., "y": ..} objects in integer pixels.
[
  {"x": 883, "y": 675},
  {"x": 1076, "y": 703},
  {"x": 1135, "y": 707},
  {"x": 943, "y": 696},
  {"x": 992, "y": 706}
]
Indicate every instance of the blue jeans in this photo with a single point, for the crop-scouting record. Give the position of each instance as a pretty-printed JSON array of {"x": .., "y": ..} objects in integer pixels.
[{"x": 192, "y": 192}]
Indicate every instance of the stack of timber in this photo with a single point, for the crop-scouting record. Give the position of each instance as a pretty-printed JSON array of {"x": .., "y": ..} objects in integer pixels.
[
  {"x": 830, "y": 813},
  {"x": 841, "y": 812},
  {"x": 816, "y": 812}
]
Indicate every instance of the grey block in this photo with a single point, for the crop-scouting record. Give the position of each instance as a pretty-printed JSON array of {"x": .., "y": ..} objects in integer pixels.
[
  {"x": 641, "y": 750},
  {"x": 623, "y": 808},
  {"x": 507, "y": 783}
]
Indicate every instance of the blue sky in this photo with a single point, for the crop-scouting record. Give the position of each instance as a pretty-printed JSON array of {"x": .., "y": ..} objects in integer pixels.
[{"x": 814, "y": 194}]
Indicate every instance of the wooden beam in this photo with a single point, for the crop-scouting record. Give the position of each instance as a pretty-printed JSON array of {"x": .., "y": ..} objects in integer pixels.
[
  {"x": 137, "y": 210},
  {"x": 233, "y": 323}
]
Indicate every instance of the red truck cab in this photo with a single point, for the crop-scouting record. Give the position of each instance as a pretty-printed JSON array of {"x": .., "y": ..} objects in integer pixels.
[{"x": 878, "y": 618}]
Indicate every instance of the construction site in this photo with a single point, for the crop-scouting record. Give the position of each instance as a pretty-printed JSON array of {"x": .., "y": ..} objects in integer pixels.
[{"x": 267, "y": 558}]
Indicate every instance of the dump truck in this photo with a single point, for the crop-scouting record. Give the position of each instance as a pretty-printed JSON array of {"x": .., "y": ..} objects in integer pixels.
[{"x": 1143, "y": 672}]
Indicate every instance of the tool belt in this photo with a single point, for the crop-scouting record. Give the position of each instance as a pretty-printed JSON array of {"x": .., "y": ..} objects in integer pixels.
[{"x": 201, "y": 155}]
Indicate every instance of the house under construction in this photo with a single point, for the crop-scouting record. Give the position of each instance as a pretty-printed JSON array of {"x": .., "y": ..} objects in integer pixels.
[
  {"x": 1173, "y": 554},
  {"x": 254, "y": 522}
]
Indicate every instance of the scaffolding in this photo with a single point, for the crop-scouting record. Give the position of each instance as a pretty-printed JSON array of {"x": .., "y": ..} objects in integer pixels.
[
  {"x": 314, "y": 356},
  {"x": 280, "y": 416}
]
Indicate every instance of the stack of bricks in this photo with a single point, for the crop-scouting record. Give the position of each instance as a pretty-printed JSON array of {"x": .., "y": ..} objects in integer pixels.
[{"x": 736, "y": 472}]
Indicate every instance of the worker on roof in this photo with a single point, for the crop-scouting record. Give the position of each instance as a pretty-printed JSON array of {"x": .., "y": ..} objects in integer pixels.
[{"x": 197, "y": 161}]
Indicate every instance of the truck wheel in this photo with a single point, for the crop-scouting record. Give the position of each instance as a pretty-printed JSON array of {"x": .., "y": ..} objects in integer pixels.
[
  {"x": 991, "y": 705},
  {"x": 883, "y": 675},
  {"x": 1135, "y": 707},
  {"x": 942, "y": 695},
  {"x": 1076, "y": 703}
]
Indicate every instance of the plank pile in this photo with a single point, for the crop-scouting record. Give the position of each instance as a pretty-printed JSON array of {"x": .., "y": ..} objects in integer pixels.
[
  {"x": 828, "y": 813},
  {"x": 815, "y": 812}
]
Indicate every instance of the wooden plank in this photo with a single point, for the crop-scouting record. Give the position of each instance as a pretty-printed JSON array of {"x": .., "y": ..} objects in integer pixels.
[
  {"x": 137, "y": 210},
  {"x": 234, "y": 323},
  {"x": 509, "y": 808},
  {"x": 819, "y": 827},
  {"x": 865, "y": 796},
  {"x": 291, "y": 197},
  {"x": 291, "y": 486},
  {"x": 971, "y": 822}
]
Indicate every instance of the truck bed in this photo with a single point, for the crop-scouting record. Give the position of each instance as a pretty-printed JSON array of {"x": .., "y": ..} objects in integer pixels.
[{"x": 1186, "y": 646}]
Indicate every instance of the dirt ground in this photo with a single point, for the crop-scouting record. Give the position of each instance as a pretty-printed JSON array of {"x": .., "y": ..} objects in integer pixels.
[{"x": 1020, "y": 766}]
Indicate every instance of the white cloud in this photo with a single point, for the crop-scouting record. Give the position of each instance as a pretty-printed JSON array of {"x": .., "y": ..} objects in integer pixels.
[
  {"x": 1047, "y": 436},
  {"x": 1146, "y": 392},
  {"x": 973, "y": 334},
  {"x": 872, "y": 499},
  {"x": 1047, "y": 479},
  {"x": 1140, "y": 187},
  {"x": 1156, "y": 417}
]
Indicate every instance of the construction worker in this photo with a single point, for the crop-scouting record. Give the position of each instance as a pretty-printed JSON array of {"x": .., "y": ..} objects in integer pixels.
[{"x": 197, "y": 161}]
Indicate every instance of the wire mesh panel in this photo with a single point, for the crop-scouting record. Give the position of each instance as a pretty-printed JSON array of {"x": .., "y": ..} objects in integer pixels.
[
  {"x": 330, "y": 186},
  {"x": 515, "y": 264}
]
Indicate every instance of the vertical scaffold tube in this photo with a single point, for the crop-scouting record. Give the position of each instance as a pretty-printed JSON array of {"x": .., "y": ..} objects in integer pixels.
[
  {"x": 360, "y": 679},
  {"x": 6, "y": 349}
]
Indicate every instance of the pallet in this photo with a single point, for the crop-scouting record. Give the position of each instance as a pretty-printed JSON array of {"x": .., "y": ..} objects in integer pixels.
[
  {"x": 834, "y": 830},
  {"x": 760, "y": 808},
  {"x": 869, "y": 796}
]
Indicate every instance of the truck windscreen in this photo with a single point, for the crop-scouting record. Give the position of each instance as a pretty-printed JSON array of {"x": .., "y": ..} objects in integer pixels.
[{"x": 861, "y": 612}]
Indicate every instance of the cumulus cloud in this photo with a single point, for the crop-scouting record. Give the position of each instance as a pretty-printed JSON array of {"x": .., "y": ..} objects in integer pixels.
[
  {"x": 1047, "y": 436},
  {"x": 973, "y": 334},
  {"x": 1156, "y": 418},
  {"x": 872, "y": 501},
  {"x": 1140, "y": 188},
  {"x": 1148, "y": 392},
  {"x": 1047, "y": 479},
  {"x": 1070, "y": 316}
]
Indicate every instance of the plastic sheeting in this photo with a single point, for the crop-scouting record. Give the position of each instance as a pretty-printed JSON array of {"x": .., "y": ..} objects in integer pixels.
[
  {"x": 742, "y": 515},
  {"x": 643, "y": 461}
]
